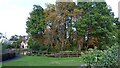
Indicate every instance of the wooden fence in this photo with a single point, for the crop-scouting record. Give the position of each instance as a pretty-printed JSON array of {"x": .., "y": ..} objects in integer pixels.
[{"x": 49, "y": 54}]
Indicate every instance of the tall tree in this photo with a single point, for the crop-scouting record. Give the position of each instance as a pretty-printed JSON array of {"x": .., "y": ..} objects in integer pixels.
[
  {"x": 35, "y": 23},
  {"x": 96, "y": 24}
]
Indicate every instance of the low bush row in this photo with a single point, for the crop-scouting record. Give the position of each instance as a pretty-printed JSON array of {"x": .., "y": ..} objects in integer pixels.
[
  {"x": 64, "y": 54},
  {"x": 49, "y": 54},
  {"x": 6, "y": 56}
]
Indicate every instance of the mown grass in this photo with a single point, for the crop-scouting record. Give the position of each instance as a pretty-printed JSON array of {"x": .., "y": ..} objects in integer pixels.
[{"x": 44, "y": 61}]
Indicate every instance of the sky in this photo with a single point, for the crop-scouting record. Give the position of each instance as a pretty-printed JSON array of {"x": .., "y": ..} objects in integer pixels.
[{"x": 14, "y": 14}]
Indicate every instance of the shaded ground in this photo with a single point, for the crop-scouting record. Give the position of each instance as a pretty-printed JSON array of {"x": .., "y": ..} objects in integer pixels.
[
  {"x": 43, "y": 61},
  {"x": 10, "y": 60}
]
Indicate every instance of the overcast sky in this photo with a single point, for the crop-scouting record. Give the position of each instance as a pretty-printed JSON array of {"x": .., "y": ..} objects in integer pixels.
[{"x": 14, "y": 13}]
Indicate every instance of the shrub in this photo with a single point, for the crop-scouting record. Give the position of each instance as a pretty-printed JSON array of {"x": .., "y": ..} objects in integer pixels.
[
  {"x": 8, "y": 46},
  {"x": 95, "y": 57},
  {"x": 36, "y": 46},
  {"x": 6, "y": 56}
]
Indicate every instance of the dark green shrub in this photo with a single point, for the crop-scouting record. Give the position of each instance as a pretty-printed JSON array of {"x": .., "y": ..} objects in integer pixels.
[
  {"x": 4, "y": 46},
  {"x": 15, "y": 45},
  {"x": 36, "y": 46},
  {"x": 9, "y": 46},
  {"x": 6, "y": 56}
]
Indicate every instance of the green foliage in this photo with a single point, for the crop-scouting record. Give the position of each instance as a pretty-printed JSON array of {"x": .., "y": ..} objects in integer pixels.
[
  {"x": 16, "y": 42},
  {"x": 6, "y": 46},
  {"x": 36, "y": 46},
  {"x": 98, "y": 21},
  {"x": 33, "y": 45},
  {"x": 15, "y": 45},
  {"x": 9, "y": 46},
  {"x": 35, "y": 23},
  {"x": 96, "y": 57},
  {"x": 64, "y": 26}
]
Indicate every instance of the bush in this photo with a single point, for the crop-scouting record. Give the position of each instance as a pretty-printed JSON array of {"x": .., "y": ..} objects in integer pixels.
[
  {"x": 36, "y": 46},
  {"x": 7, "y": 55},
  {"x": 96, "y": 57},
  {"x": 15, "y": 45},
  {"x": 4, "y": 47},
  {"x": 9, "y": 46}
]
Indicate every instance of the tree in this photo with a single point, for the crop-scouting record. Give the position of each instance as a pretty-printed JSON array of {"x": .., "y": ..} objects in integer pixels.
[
  {"x": 35, "y": 23},
  {"x": 16, "y": 41},
  {"x": 96, "y": 24},
  {"x": 65, "y": 25},
  {"x": 58, "y": 23},
  {"x": 14, "y": 38}
]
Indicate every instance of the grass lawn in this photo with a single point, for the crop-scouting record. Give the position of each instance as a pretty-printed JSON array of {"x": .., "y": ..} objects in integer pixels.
[{"x": 44, "y": 61}]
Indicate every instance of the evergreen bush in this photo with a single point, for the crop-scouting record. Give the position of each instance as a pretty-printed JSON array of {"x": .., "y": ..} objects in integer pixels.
[{"x": 107, "y": 58}]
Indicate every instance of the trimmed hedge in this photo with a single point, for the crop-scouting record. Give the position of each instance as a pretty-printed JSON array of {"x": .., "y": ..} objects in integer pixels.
[
  {"x": 7, "y": 55},
  {"x": 64, "y": 54}
]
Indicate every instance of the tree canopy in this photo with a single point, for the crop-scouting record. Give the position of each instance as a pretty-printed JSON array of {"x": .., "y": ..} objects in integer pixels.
[{"x": 67, "y": 26}]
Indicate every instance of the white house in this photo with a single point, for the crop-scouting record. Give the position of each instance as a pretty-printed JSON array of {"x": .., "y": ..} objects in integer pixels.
[{"x": 24, "y": 42}]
